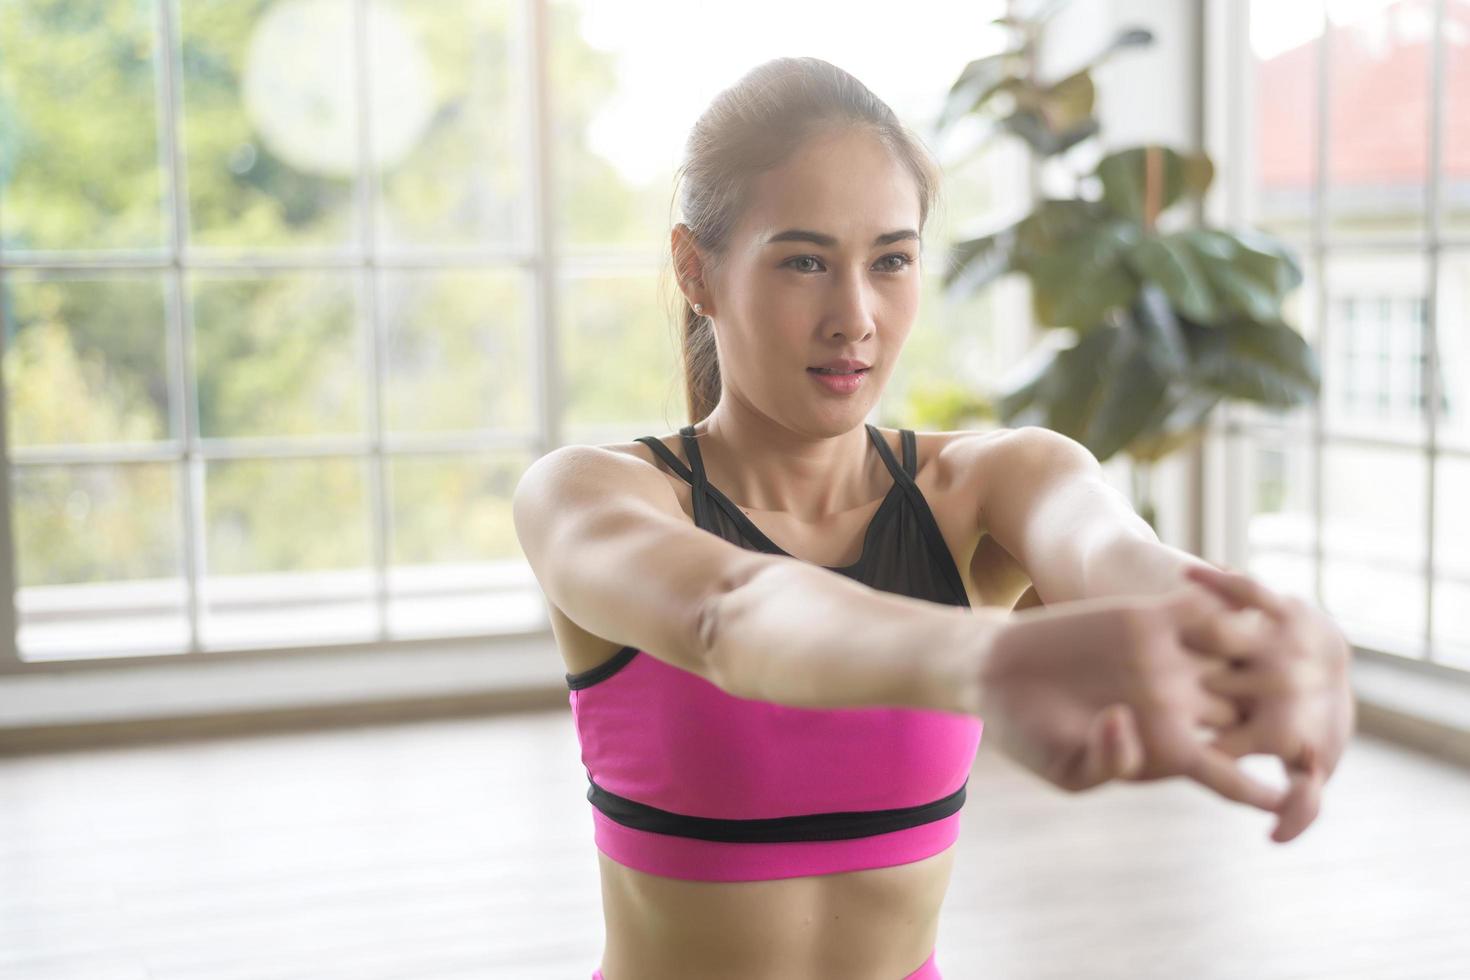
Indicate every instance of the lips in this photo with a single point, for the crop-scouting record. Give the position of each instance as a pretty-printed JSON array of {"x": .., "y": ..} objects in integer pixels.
[{"x": 842, "y": 365}]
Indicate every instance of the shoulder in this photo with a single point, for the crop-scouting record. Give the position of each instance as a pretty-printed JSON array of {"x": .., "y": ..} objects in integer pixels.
[
  {"x": 963, "y": 458},
  {"x": 576, "y": 477},
  {"x": 977, "y": 467}
]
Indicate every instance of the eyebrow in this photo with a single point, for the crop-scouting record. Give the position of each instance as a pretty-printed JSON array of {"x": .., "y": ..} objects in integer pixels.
[{"x": 827, "y": 241}]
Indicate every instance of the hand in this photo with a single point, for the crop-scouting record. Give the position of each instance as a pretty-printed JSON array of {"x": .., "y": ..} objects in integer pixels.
[
  {"x": 1113, "y": 688},
  {"x": 1294, "y": 677}
]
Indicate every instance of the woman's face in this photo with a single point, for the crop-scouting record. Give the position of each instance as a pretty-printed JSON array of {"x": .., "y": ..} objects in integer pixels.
[{"x": 784, "y": 306}]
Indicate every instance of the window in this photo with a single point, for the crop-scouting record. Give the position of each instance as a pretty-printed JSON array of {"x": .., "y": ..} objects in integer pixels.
[
  {"x": 294, "y": 290},
  {"x": 1339, "y": 122}
]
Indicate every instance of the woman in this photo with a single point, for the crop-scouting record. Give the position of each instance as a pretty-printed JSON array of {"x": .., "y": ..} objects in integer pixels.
[{"x": 778, "y": 755}]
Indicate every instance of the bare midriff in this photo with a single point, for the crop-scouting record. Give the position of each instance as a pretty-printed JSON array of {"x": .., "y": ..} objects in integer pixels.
[{"x": 878, "y": 922}]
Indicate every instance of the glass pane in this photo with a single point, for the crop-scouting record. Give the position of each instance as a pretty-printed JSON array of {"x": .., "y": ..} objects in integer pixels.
[
  {"x": 1286, "y": 39},
  {"x": 79, "y": 152},
  {"x": 1374, "y": 536},
  {"x": 288, "y": 552},
  {"x": 1452, "y": 561},
  {"x": 457, "y": 566},
  {"x": 458, "y": 350},
  {"x": 86, "y": 360},
  {"x": 98, "y": 560},
  {"x": 279, "y": 355},
  {"x": 1454, "y": 350},
  {"x": 1280, "y": 515},
  {"x": 1378, "y": 169},
  {"x": 619, "y": 367},
  {"x": 1376, "y": 336},
  {"x": 1455, "y": 179},
  {"x": 270, "y": 121},
  {"x": 448, "y": 122},
  {"x": 628, "y": 95}
]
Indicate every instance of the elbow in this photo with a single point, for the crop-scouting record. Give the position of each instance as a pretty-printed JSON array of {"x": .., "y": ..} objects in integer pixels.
[
  {"x": 746, "y": 586},
  {"x": 706, "y": 635}
]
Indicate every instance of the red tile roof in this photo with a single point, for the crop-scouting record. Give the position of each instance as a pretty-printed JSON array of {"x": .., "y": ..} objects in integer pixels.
[{"x": 1379, "y": 89}]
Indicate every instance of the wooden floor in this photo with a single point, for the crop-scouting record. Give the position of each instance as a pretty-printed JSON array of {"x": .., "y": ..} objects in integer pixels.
[{"x": 459, "y": 849}]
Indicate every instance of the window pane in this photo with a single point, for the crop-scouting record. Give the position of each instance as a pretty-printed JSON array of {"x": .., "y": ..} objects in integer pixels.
[
  {"x": 86, "y": 360},
  {"x": 1374, "y": 534},
  {"x": 1285, "y": 42},
  {"x": 618, "y": 355},
  {"x": 1375, "y": 323},
  {"x": 288, "y": 552},
  {"x": 1452, "y": 561},
  {"x": 1455, "y": 186},
  {"x": 458, "y": 351},
  {"x": 98, "y": 560},
  {"x": 1379, "y": 119},
  {"x": 79, "y": 153},
  {"x": 457, "y": 566},
  {"x": 279, "y": 355},
  {"x": 1454, "y": 350},
  {"x": 448, "y": 122},
  {"x": 270, "y": 121},
  {"x": 1280, "y": 518}
]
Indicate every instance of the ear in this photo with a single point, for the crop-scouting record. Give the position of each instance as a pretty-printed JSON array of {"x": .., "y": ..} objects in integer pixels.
[{"x": 689, "y": 267}]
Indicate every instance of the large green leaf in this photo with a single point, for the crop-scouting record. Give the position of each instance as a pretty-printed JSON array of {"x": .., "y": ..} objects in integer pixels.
[
  {"x": 975, "y": 84},
  {"x": 1067, "y": 104},
  {"x": 1079, "y": 283},
  {"x": 1129, "y": 396},
  {"x": 1123, "y": 175},
  {"x": 1266, "y": 260},
  {"x": 1099, "y": 391},
  {"x": 1031, "y": 125},
  {"x": 1269, "y": 363},
  {"x": 1055, "y": 221},
  {"x": 1157, "y": 329},
  {"x": 1245, "y": 279},
  {"x": 1173, "y": 264},
  {"x": 1076, "y": 376}
]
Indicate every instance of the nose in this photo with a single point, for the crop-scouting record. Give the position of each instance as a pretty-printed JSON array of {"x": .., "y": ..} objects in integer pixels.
[{"x": 853, "y": 306}]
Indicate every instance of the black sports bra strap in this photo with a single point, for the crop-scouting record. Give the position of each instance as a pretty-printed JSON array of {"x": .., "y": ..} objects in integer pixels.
[
  {"x": 700, "y": 482},
  {"x": 910, "y": 451},
  {"x": 664, "y": 453},
  {"x": 900, "y": 475}
]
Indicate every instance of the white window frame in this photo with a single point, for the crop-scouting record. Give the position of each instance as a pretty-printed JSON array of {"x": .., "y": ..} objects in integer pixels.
[{"x": 1230, "y": 140}]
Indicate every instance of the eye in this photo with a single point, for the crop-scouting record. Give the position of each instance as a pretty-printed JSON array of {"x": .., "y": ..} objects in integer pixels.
[{"x": 905, "y": 260}]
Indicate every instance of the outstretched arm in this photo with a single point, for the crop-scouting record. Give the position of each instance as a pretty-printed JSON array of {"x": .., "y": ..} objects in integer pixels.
[{"x": 1076, "y": 536}]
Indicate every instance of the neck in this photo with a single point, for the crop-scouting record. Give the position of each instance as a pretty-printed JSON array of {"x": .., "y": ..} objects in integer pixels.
[{"x": 765, "y": 465}]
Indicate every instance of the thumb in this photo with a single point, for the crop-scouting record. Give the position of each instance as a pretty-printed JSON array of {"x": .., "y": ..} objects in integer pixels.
[{"x": 1114, "y": 749}]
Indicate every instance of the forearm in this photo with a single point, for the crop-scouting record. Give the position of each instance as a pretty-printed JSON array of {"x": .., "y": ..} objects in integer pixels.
[
  {"x": 1132, "y": 564},
  {"x": 798, "y": 634}
]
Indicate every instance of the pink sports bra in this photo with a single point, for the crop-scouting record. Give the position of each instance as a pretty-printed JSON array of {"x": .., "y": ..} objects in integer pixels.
[{"x": 688, "y": 781}]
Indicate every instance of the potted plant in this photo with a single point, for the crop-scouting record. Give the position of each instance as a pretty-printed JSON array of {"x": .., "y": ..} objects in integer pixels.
[{"x": 1166, "y": 322}]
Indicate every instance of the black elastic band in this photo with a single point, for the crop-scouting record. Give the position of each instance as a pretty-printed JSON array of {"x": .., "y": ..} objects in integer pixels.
[
  {"x": 604, "y": 670},
  {"x": 841, "y": 825}
]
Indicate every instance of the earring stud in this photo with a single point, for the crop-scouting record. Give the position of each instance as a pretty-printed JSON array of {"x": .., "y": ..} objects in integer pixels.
[{"x": 699, "y": 309}]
